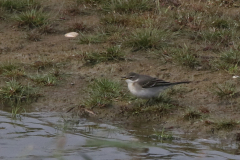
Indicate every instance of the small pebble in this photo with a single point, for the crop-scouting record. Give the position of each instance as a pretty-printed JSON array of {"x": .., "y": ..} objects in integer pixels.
[{"x": 71, "y": 34}]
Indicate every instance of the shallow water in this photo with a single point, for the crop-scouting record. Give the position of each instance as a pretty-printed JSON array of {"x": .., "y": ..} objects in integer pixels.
[{"x": 41, "y": 135}]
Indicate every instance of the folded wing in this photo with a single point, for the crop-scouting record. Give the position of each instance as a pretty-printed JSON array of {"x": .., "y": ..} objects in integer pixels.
[{"x": 149, "y": 82}]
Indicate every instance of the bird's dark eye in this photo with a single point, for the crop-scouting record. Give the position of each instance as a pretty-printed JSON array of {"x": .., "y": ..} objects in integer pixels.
[{"x": 131, "y": 77}]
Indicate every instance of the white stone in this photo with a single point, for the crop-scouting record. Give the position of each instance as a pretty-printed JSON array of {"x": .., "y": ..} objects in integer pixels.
[{"x": 71, "y": 34}]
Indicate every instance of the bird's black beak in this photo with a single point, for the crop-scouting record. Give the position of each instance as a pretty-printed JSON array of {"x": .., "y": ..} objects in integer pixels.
[{"x": 124, "y": 78}]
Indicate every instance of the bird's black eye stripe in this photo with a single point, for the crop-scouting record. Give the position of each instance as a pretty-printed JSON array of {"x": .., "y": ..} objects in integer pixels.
[{"x": 132, "y": 76}]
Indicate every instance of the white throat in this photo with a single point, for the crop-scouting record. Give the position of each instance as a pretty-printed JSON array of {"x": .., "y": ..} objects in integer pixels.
[
  {"x": 133, "y": 87},
  {"x": 130, "y": 81}
]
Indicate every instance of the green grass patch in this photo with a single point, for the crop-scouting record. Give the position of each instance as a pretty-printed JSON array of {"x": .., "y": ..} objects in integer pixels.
[
  {"x": 16, "y": 73},
  {"x": 111, "y": 54},
  {"x": 148, "y": 38},
  {"x": 92, "y": 2},
  {"x": 231, "y": 56},
  {"x": 225, "y": 3},
  {"x": 189, "y": 19},
  {"x": 18, "y": 5},
  {"x": 184, "y": 56},
  {"x": 10, "y": 70},
  {"x": 221, "y": 23},
  {"x": 46, "y": 80},
  {"x": 14, "y": 92},
  {"x": 158, "y": 109},
  {"x": 160, "y": 106},
  {"x": 228, "y": 61},
  {"x": 17, "y": 111},
  {"x": 7, "y": 67},
  {"x": 226, "y": 124},
  {"x": 116, "y": 19},
  {"x": 162, "y": 135},
  {"x": 217, "y": 36},
  {"x": 104, "y": 92},
  {"x": 113, "y": 29},
  {"x": 32, "y": 18},
  {"x": 124, "y": 20},
  {"x": 115, "y": 33},
  {"x": 192, "y": 114},
  {"x": 226, "y": 90},
  {"x": 4, "y": 14},
  {"x": 96, "y": 38},
  {"x": 128, "y": 6}
]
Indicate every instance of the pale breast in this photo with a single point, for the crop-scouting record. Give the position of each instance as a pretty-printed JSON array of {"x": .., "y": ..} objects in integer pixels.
[
  {"x": 137, "y": 90},
  {"x": 140, "y": 92},
  {"x": 133, "y": 89}
]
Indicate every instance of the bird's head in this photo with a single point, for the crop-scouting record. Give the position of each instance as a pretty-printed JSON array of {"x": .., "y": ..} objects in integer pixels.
[{"x": 131, "y": 77}]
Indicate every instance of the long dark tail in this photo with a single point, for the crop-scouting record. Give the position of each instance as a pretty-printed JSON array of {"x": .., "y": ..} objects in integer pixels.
[
  {"x": 163, "y": 83},
  {"x": 175, "y": 83}
]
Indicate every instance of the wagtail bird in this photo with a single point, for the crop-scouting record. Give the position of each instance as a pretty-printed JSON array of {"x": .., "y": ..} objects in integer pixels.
[{"x": 143, "y": 86}]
